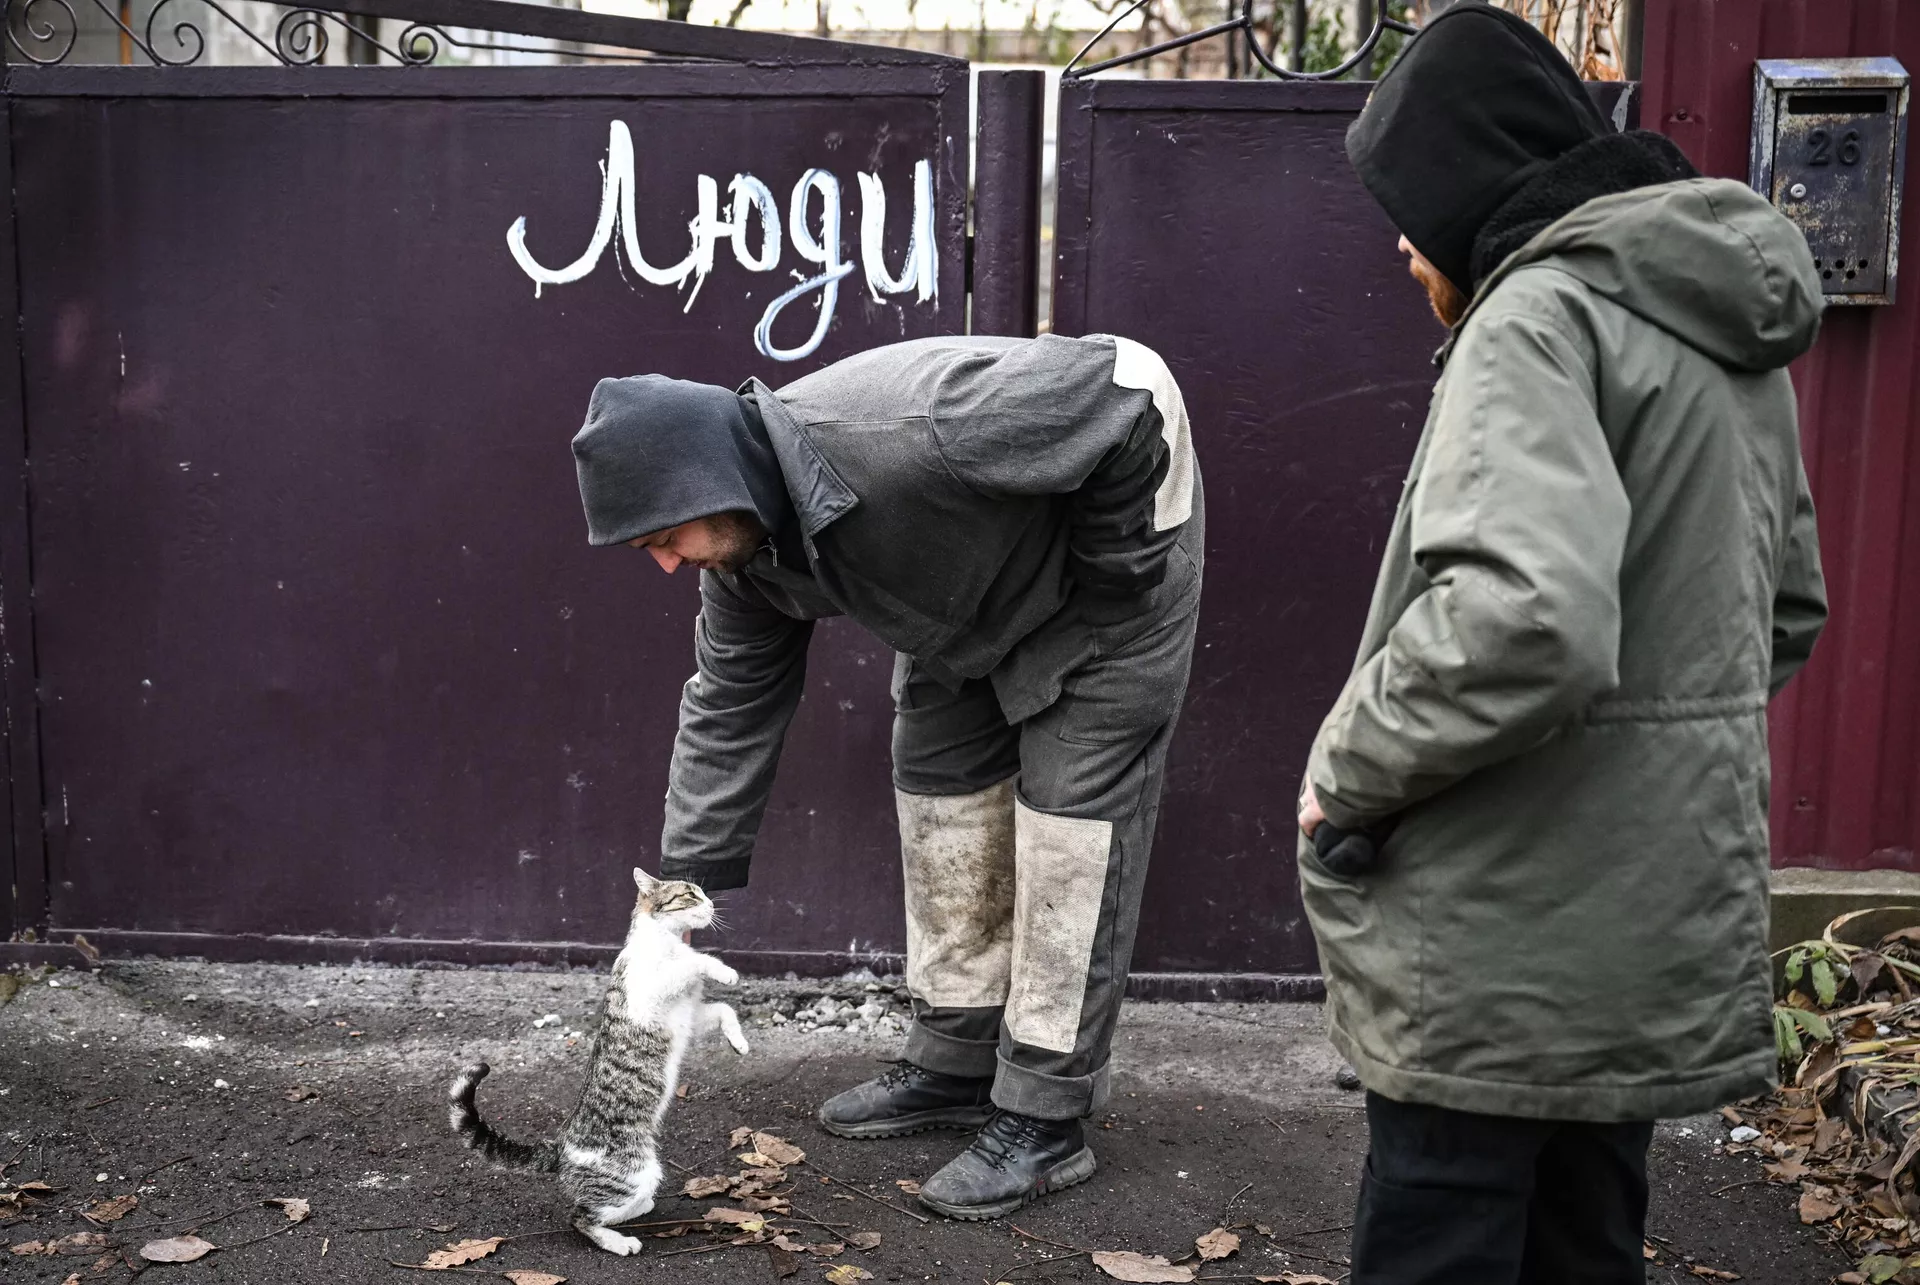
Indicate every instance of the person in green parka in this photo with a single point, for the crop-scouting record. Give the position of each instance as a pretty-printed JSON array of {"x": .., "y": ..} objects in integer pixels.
[{"x": 1534, "y": 825}]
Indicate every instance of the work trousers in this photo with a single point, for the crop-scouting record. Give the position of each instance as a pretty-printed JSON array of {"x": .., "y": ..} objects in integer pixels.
[
  {"x": 1025, "y": 851},
  {"x": 1454, "y": 1198}
]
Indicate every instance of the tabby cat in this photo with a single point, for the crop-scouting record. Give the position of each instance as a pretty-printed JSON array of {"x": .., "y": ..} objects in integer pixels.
[{"x": 607, "y": 1154}]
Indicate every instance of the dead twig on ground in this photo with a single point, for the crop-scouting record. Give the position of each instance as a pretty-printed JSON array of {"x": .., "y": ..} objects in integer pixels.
[
  {"x": 795, "y": 1212},
  {"x": 1021, "y": 1231},
  {"x": 443, "y": 1229},
  {"x": 1041, "y": 1262},
  {"x": 257, "y": 1239},
  {"x": 170, "y": 1164},
  {"x": 1734, "y": 1186},
  {"x": 922, "y": 1219},
  {"x": 196, "y": 1219},
  {"x": 707, "y": 1249}
]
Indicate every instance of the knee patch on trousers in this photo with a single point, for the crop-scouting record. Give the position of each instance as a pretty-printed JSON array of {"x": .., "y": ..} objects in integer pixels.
[
  {"x": 957, "y": 857},
  {"x": 1062, "y": 880}
]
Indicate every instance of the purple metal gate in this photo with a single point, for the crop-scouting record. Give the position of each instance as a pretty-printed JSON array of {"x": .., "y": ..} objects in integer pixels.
[
  {"x": 1220, "y": 224},
  {"x": 315, "y": 660}
]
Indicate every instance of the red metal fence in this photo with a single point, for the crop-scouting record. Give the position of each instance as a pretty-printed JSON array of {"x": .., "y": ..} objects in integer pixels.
[{"x": 1847, "y": 734}]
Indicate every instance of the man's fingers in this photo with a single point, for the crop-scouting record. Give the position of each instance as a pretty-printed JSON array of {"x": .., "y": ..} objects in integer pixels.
[{"x": 1310, "y": 814}]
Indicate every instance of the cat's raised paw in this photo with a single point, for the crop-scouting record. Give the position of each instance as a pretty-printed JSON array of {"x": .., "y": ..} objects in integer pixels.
[{"x": 725, "y": 976}]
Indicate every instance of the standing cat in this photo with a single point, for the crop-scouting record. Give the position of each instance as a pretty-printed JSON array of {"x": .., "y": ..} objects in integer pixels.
[{"x": 607, "y": 1154}]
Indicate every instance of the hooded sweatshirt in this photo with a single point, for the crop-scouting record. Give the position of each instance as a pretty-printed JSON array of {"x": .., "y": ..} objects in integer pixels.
[
  {"x": 1603, "y": 565},
  {"x": 656, "y": 452},
  {"x": 1475, "y": 107},
  {"x": 982, "y": 505}
]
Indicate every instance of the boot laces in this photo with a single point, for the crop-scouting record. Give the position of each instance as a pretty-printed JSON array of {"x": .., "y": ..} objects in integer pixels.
[
  {"x": 900, "y": 1074},
  {"x": 1005, "y": 1134}
]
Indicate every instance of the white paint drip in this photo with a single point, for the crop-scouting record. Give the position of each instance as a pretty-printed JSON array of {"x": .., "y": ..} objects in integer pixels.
[{"x": 749, "y": 198}]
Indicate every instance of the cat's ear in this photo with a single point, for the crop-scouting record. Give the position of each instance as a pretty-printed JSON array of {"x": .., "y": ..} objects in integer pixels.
[{"x": 642, "y": 880}]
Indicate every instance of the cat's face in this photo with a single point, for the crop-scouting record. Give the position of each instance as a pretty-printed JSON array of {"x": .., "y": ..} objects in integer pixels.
[{"x": 681, "y": 906}]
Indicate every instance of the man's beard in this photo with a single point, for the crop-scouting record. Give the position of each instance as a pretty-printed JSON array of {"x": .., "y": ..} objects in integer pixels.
[
  {"x": 737, "y": 536},
  {"x": 1449, "y": 305}
]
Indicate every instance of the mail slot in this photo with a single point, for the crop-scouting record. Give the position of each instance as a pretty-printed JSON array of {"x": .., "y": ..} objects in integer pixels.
[{"x": 1829, "y": 150}]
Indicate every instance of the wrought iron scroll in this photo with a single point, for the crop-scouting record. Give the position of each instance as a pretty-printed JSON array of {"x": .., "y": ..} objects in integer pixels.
[
  {"x": 1239, "y": 26},
  {"x": 43, "y": 32}
]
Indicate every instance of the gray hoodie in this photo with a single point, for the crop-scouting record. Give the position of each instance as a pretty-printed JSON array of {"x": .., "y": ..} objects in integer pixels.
[{"x": 976, "y": 503}]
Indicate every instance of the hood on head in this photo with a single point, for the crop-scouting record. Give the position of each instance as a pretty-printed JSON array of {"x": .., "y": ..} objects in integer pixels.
[
  {"x": 1474, "y": 106},
  {"x": 656, "y": 452},
  {"x": 1707, "y": 260}
]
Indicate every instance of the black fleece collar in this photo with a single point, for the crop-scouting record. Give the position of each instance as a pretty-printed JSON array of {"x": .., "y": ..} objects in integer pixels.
[{"x": 1599, "y": 167}]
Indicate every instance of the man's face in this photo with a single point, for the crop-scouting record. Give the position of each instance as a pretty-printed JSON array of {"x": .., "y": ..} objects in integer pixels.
[
  {"x": 1448, "y": 303},
  {"x": 719, "y": 542}
]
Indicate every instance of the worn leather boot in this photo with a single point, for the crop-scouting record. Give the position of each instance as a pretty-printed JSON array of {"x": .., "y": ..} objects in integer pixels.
[
  {"x": 909, "y": 1099},
  {"x": 1014, "y": 1160}
]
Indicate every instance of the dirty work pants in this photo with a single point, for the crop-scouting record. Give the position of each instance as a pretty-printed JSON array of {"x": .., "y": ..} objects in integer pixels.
[
  {"x": 1453, "y": 1198},
  {"x": 1025, "y": 851}
]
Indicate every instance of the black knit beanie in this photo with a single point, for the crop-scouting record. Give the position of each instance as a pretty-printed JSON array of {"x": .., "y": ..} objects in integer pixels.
[{"x": 1473, "y": 108}]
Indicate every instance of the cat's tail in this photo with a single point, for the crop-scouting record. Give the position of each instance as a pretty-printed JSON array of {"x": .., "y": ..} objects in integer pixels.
[{"x": 479, "y": 1136}]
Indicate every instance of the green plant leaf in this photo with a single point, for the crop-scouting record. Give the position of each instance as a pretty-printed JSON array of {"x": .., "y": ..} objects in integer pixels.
[
  {"x": 1881, "y": 1267},
  {"x": 1786, "y": 1035},
  {"x": 1812, "y": 1023},
  {"x": 1796, "y": 966},
  {"x": 1825, "y": 986}
]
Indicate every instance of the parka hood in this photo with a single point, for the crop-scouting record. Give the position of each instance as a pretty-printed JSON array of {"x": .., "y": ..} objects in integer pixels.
[
  {"x": 656, "y": 452},
  {"x": 1706, "y": 260}
]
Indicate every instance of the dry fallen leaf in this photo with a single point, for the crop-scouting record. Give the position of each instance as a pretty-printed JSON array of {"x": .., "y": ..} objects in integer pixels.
[
  {"x": 521, "y": 1276},
  {"x": 1712, "y": 1274},
  {"x": 778, "y": 1150},
  {"x": 1125, "y": 1265},
  {"x": 25, "y": 1247},
  {"x": 765, "y": 1204},
  {"x": 740, "y": 1137},
  {"x": 86, "y": 948},
  {"x": 711, "y": 1185},
  {"x": 1295, "y": 1278},
  {"x": 740, "y": 1218},
  {"x": 178, "y": 1249},
  {"x": 296, "y": 1209},
  {"x": 1217, "y": 1243},
  {"x": 1815, "y": 1207},
  {"x": 9, "y": 987},
  {"x": 1788, "y": 1170},
  {"x": 847, "y": 1274},
  {"x": 300, "y": 1093},
  {"x": 784, "y": 1264},
  {"x": 864, "y": 1239},
  {"x": 462, "y": 1252},
  {"x": 112, "y": 1211},
  {"x": 908, "y": 1185},
  {"x": 755, "y": 1159},
  {"x": 80, "y": 1242},
  {"x": 73, "y": 1278}
]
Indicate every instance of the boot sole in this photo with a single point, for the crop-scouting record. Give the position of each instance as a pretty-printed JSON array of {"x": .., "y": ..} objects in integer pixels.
[
  {"x": 906, "y": 1125},
  {"x": 1072, "y": 1171}
]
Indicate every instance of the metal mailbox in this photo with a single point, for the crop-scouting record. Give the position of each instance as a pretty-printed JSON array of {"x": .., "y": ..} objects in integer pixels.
[{"x": 1829, "y": 150}]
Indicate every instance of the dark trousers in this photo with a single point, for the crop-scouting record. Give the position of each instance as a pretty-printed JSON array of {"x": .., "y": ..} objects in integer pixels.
[{"x": 1453, "y": 1198}]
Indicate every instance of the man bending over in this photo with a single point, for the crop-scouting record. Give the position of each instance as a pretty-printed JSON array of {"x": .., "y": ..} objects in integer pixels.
[{"x": 1021, "y": 521}]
